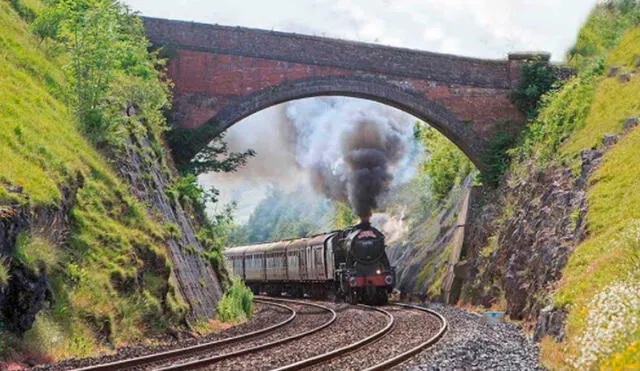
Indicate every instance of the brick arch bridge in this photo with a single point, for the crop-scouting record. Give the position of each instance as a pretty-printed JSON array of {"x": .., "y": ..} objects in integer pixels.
[{"x": 223, "y": 74}]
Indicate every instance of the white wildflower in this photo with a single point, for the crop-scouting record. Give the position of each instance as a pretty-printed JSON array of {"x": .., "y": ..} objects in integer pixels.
[{"x": 614, "y": 313}]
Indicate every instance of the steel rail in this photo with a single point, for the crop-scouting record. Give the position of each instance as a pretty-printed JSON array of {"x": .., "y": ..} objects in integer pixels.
[
  {"x": 404, "y": 356},
  {"x": 180, "y": 352},
  {"x": 342, "y": 350},
  {"x": 203, "y": 362}
]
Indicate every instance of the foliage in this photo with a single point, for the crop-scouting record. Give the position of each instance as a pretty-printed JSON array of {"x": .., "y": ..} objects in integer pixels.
[
  {"x": 43, "y": 151},
  {"x": 626, "y": 359},
  {"x": 606, "y": 24},
  {"x": 4, "y": 271},
  {"x": 497, "y": 154},
  {"x": 282, "y": 215},
  {"x": 190, "y": 193},
  {"x": 24, "y": 10},
  {"x": 537, "y": 78},
  {"x": 214, "y": 156},
  {"x": 236, "y": 304},
  {"x": 214, "y": 235},
  {"x": 446, "y": 166},
  {"x": 572, "y": 119},
  {"x": 614, "y": 314},
  {"x": 562, "y": 111},
  {"x": 343, "y": 216},
  {"x": 110, "y": 69}
]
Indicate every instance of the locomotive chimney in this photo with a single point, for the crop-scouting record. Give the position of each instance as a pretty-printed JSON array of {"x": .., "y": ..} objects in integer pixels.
[{"x": 365, "y": 219}]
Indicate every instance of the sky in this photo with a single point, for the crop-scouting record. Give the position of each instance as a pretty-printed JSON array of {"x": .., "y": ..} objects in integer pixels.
[{"x": 478, "y": 28}]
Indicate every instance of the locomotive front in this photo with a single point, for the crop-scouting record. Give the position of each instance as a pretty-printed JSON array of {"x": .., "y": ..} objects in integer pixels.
[{"x": 365, "y": 273}]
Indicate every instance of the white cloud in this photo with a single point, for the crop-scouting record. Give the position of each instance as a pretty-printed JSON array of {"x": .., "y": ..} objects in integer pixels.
[
  {"x": 450, "y": 45},
  {"x": 432, "y": 33},
  {"x": 481, "y": 28}
]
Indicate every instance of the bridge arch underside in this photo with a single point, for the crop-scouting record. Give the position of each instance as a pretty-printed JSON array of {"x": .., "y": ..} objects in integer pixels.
[{"x": 371, "y": 88}]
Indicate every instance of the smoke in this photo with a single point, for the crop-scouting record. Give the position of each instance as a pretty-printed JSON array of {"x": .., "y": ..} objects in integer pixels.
[
  {"x": 345, "y": 149},
  {"x": 352, "y": 148}
]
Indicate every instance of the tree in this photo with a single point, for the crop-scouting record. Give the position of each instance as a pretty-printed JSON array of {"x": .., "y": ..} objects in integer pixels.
[{"x": 216, "y": 158}]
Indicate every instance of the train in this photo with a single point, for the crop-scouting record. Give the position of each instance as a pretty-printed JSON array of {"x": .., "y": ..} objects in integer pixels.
[{"x": 349, "y": 264}]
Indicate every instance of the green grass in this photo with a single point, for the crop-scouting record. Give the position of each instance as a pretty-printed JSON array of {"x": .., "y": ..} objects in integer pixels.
[
  {"x": 35, "y": 252},
  {"x": 39, "y": 141},
  {"x": 606, "y": 257},
  {"x": 614, "y": 101},
  {"x": 42, "y": 149}
]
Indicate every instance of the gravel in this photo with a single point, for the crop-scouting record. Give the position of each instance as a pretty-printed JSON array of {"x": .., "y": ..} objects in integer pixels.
[
  {"x": 265, "y": 315},
  {"x": 469, "y": 344},
  {"x": 472, "y": 344},
  {"x": 411, "y": 328},
  {"x": 352, "y": 324},
  {"x": 307, "y": 318}
]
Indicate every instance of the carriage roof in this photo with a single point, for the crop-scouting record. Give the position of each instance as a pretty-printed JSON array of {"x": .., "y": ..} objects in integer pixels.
[{"x": 278, "y": 246}]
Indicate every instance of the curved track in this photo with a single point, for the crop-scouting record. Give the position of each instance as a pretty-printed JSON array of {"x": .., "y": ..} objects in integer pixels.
[
  {"x": 208, "y": 360},
  {"x": 395, "y": 339},
  {"x": 355, "y": 356},
  {"x": 140, "y": 362}
]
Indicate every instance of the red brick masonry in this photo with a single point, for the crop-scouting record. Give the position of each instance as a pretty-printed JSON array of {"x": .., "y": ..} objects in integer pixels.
[{"x": 223, "y": 74}]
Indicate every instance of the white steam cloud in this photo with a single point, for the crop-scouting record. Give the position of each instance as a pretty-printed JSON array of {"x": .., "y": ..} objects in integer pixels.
[{"x": 324, "y": 143}]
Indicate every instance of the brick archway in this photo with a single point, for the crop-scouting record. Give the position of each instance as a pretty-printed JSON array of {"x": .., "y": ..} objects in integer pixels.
[
  {"x": 223, "y": 74},
  {"x": 371, "y": 88}
]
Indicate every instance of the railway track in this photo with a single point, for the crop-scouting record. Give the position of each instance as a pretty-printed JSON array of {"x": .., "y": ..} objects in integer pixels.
[
  {"x": 197, "y": 356},
  {"x": 264, "y": 348},
  {"x": 383, "y": 350}
]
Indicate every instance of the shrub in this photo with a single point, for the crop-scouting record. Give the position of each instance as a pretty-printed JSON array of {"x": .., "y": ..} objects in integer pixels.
[
  {"x": 236, "y": 304},
  {"x": 23, "y": 10},
  {"x": 109, "y": 65},
  {"x": 4, "y": 271},
  {"x": 214, "y": 156},
  {"x": 497, "y": 158},
  {"x": 537, "y": 78},
  {"x": 447, "y": 164}
]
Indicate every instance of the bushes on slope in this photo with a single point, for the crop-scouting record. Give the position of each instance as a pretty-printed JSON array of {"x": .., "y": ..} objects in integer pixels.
[{"x": 236, "y": 304}]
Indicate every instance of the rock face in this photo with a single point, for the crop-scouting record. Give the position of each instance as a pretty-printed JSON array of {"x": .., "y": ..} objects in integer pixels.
[
  {"x": 521, "y": 239},
  {"x": 550, "y": 322},
  {"x": 27, "y": 292},
  {"x": 143, "y": 171}
]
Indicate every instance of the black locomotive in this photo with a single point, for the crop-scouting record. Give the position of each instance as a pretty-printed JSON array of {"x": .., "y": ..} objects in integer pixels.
[{"x": 350, "y": 264}]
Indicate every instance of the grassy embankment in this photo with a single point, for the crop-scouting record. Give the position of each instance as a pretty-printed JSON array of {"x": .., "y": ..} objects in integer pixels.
[
  {"x": 600, "y": 286},
  {"x": 93, "y": 277}
]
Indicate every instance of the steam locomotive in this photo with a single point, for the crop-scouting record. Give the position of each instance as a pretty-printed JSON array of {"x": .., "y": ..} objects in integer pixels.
[{"x": 351, "y": 264}]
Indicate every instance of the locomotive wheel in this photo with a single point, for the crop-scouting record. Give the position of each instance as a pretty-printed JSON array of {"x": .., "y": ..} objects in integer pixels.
[
  {"x": 381, "y": 297},
  {"x": 352, "y": 298}
]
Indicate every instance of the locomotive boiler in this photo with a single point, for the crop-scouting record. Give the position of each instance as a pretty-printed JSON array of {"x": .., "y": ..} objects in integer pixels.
[{"x": 351, "y": 264}]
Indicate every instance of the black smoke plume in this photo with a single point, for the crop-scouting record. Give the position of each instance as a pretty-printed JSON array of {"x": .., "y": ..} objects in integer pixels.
[{"x": 370, "y": 143}]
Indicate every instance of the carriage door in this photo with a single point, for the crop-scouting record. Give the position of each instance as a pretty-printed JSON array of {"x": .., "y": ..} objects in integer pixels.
[{"x": 302, "y": 260}]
